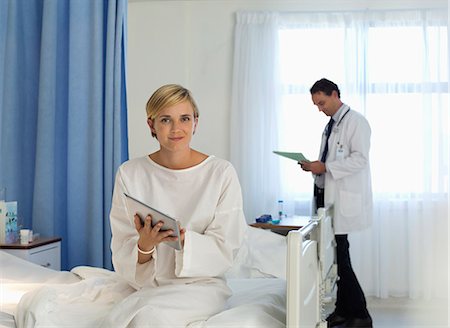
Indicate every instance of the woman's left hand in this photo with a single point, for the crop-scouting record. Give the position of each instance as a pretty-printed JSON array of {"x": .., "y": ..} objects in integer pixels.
[{"x": 182, "y": 235}]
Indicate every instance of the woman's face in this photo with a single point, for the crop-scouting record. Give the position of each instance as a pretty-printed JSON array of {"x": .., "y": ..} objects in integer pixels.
[{"x": 174, "y": 126}]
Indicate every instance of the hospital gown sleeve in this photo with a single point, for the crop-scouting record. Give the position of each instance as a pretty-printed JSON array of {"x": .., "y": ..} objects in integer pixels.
[
  {"x": 124, "y": 241},
  {"x": 210, "y": 254}
]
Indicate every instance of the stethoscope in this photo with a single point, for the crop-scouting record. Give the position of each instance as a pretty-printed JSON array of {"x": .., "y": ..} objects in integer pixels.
[
  {"x": 336, "y": 127},
  {"x": 340, "y": 147}
]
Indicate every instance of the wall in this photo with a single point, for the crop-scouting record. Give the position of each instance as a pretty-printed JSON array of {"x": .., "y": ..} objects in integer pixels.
[{"x": 191, "y": 43}]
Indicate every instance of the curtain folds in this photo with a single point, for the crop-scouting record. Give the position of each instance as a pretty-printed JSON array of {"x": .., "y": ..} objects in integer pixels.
[
  {"x": 400, "y": 84},
  {"x": 63, "y": 118},
  {"x": 255, "y": 102}
]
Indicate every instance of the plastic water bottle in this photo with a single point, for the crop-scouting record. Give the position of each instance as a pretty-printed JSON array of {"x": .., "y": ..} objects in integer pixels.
[{"x": 280, "y": 210}]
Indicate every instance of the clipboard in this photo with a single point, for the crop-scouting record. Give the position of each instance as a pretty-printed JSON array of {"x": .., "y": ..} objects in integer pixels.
[
  {"x": 135, "y": 206},
  {"x": 299, "y": 157}
]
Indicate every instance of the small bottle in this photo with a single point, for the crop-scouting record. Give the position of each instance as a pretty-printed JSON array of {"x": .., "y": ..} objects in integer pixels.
[{"x": 280, "y": 209}]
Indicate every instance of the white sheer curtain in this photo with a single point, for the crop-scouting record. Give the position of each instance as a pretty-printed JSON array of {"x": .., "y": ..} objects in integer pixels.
[
  {"x": 392, "y": 67},
  {"x": 255, "y": 104}
]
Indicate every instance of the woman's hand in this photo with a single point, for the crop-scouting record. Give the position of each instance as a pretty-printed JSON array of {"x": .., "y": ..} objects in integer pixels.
[
  {"x": 182, "y": 234},
  {"x": 150, "y": 236}
]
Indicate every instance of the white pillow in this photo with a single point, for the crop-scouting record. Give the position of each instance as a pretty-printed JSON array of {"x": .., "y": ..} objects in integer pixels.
[{"x": 262, "y": 255}]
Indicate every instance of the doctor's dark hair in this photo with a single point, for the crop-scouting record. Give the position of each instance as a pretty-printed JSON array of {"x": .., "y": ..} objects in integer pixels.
[
  {"x": 325, "y": 86},
  {"x": 166, "y": 96}
]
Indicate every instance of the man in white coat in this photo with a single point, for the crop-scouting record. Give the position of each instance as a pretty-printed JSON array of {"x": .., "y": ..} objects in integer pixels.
[{"x": 342, "y": 179}]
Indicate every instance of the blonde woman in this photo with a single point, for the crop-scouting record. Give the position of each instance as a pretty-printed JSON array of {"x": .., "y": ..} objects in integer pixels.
[{"x": 175, "y": 287}]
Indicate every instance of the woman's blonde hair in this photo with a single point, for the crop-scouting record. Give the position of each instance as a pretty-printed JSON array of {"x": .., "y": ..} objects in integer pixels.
[{"x": 166, "y": 96}]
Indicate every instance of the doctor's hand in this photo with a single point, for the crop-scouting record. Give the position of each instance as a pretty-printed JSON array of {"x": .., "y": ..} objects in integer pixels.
[{"x": 316, "y": 167}]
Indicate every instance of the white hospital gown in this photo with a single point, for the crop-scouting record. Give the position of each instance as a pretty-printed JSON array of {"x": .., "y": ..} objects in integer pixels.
[{"x": 177, "y": 287}]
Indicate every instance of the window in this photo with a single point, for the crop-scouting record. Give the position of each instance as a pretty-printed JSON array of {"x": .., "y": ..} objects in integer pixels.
[{"x": 396, "y": 75}]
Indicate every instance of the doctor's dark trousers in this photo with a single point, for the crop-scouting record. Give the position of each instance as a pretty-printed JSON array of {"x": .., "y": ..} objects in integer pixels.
[{"x": 350, "y": 300}]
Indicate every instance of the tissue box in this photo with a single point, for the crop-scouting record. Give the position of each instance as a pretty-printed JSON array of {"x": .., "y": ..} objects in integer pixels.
[{"x": 9, "y": 227}]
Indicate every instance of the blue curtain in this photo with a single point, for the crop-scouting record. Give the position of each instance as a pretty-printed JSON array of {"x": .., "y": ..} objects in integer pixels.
[{"x": 63, "y": 118}]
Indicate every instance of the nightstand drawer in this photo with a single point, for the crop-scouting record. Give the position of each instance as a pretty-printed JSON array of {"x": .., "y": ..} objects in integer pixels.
[
  {"x": 47, "y": 256},
  {"x": 44, "y": 251}
]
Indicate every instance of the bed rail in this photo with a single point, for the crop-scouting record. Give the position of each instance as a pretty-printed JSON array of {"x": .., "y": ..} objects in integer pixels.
[
  {"x": 308, "y": 229},
  {"x": 311, "y": 271}
]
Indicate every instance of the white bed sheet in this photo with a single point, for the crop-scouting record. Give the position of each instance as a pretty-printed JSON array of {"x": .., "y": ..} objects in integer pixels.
[
  {"x": 256, "y": 302},
  {"x": 85, "y": 295},
  {"x": 6, "y": 320}
]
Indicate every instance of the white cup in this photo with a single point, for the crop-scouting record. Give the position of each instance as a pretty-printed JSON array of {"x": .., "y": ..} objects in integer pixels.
[{"x": 25, "y": 236}]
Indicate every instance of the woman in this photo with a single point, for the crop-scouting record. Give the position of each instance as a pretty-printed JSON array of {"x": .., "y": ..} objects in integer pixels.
[{"x": 175, "y": 288}]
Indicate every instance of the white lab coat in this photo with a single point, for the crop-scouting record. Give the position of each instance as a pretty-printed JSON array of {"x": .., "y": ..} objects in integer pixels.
[{"x": 348, "y": 180}]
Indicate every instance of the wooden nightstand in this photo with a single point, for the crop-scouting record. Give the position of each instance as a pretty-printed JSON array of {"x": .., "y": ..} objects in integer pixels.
[
  {"x": 287, "y": 224},
  {"x": 43, "y": 251}
]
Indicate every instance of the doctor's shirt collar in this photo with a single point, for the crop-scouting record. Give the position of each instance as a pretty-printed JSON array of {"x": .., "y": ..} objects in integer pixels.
[{"x": 339, "y": 112}]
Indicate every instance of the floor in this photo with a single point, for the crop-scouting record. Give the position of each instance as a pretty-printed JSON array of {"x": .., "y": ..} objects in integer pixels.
[{"x": 404, "y": 313}]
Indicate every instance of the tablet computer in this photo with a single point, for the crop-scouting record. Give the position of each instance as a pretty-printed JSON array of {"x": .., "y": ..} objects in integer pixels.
[{"x": 135, "y": 206}]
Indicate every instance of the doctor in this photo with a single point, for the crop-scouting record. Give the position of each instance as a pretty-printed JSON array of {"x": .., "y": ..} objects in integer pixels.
[{"x": 342, "y": 179}]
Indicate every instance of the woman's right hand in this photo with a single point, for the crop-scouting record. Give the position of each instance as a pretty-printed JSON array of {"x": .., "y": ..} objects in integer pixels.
[{"x": 149, "y": 236}]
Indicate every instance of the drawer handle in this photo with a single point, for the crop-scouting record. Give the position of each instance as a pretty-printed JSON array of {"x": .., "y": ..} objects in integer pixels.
[{"x": 47, "y": 265}]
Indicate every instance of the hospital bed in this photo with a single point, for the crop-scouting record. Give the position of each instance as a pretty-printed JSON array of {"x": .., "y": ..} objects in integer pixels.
[{"x": 277, "y": 281}]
